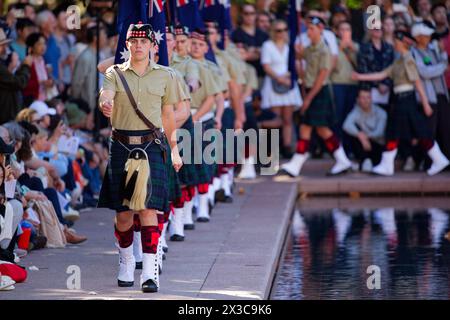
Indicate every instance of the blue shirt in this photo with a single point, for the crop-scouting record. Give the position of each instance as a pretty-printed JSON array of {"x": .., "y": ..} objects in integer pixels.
[{"x": 52, "y": 56}]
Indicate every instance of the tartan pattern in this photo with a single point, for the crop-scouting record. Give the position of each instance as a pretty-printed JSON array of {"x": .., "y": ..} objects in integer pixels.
[
  {"x": 110, "y": 194},
  {"x": 211, "y": 169},
  {"x": 174, "y": 182},
  {"x": 406, "y": 119},
  {"x": 320, "y": 112},
  {"x": 190, "y": 173}
]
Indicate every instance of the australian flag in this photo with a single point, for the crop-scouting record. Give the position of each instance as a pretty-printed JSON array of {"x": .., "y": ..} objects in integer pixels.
[
  {"x": 295, "y": 7},
  {"x": 146, "y": 11},
  {"x": 186, "y": 13},
  {"x": 218, "y": 11}
]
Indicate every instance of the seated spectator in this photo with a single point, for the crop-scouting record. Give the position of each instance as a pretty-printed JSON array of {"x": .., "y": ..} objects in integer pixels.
[
  {"x": 44, "y": 113},
  {"x": 366, "y": 125}
]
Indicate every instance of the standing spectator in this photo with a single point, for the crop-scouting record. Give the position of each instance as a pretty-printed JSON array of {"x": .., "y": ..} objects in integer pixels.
[
  {"x": 263, "y": 22},
  {"x": 344, "y": 87},
  {"x": 40, "y": 81},
  {"x": 432, "y": 63},
  {"x": 65, "y": 42},
  {"x": 85, "y": 70},
  {"x": 248, "y": 34},
  {"x": 439, "y": 13},
  {"x": 388, "y": 30},
  {"x": 11, "y": 83},
  {"x": 46, "y": 21},
  {"x": 366, "y": 125},
  {"x": 374, "y": 56},
  {"x": 423, "y": 9},
  {"x": 24, "y": 27},
  {"x": 274, "y": 58}
]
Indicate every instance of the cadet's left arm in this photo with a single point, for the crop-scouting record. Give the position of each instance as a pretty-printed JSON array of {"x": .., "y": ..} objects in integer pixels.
[
  {"x": 317, "y": 86},
  {"x": 423, "y": 98}
]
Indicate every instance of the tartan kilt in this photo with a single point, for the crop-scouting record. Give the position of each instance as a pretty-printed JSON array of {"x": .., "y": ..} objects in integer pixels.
[
  {"x": 210, "y": 169},
  {"x": 320, "y": 112},
  {"x": 189, "y": 173},
  {"x": 407, "y": 120},
  {"x": 111, "y": 190},
  {"x": 228, "y": 123},
  {"x": 174, "y": 181}
]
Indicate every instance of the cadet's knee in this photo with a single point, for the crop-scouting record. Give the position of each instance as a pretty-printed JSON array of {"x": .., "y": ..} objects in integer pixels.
[{"x": 124, "y": 218}]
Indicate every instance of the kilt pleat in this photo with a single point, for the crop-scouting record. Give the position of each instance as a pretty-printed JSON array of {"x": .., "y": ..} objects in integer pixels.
[{"x": 320, "y": 112}]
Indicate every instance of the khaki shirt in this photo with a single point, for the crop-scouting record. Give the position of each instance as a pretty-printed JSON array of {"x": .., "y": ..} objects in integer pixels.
[
  {"x": 342, "y": 74},
  {"x": 155, "y": 88},
  {"x": 232, "y": 65},
  {"x": 251, "y": 77},
  {"x": 403, "y": 70},
  {"x": 187, "y": 66},
  {"x": 208, "y": 84},
  {"x": 317, "y": 58}
]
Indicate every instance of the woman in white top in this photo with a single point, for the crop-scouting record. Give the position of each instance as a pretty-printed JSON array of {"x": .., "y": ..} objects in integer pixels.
[{"x": 274, "y": 59}]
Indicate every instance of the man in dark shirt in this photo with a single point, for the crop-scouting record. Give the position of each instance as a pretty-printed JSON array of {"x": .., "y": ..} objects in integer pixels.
[{"x": 248, "y": 34}]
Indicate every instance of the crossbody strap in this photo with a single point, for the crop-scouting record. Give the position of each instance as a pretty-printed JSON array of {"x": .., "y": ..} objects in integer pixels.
[{"x": 139, "y": 113}]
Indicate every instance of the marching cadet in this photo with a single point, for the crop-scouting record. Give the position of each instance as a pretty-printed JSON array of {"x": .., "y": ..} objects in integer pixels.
[
  {"x": 407, "y": 119},
  {"x": 317, "y": 108},
  {"x": 138, "y": 96},
  {"x": 188, "y": 72},
  {"x": 234, "y": 117},
  {"x": 251, "y": 85},
  {"x": 209, "y": 95}
]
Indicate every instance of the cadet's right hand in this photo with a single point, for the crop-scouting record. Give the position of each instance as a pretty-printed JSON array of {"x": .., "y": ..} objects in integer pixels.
[
  {"x": 107, "y": 107},
  {"x": 427, "y": 110}
]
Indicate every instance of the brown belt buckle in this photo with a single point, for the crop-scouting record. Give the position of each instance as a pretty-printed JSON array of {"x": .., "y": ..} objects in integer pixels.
[{"x": 135, "y": 140}]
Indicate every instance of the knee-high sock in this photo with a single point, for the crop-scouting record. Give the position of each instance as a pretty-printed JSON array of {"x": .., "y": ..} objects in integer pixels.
[
  {"x": 124, "y": 238},
  {"x": 332, "y": 143},
  {"x": 150, "y": 237},
  {"x": 302, "y": 146}
]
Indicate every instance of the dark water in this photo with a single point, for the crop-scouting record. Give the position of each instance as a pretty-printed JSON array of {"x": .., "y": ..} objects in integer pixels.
[{"x": 328, "y": 253}]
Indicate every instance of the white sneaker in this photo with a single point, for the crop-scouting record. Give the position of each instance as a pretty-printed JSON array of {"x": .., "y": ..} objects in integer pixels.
[
  {"x": 6, "y": 283},
  {"x": 71, "y": 214},
  {"x": 248, "y": 169},
  {"x": 386, "y": 166},
  {"x": 440, "y": 162},
  {"x": 127, "y": 265},
  {"x": 226, "y": 184},
  {"x": 367, "y": 165},
  {"x": 342, "y": 162},
  {"x": 294, "y": 166}
]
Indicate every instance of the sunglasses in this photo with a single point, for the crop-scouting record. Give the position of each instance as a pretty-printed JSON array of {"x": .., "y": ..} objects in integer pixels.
[{"x": 281, "y": 30}]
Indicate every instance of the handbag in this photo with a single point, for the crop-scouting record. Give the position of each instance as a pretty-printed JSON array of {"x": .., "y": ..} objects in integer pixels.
[{"x": 279, "y": 87}]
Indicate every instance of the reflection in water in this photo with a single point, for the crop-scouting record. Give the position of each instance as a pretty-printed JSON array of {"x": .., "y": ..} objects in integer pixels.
[{"x": 328, "y": 254}]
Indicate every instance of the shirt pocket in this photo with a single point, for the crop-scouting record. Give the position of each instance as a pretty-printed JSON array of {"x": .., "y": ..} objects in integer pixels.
[{"x": 154, "y": 95}]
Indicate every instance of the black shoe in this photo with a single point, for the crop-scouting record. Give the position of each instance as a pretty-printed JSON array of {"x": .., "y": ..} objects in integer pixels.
[
  {"x": 219, "y": 196},
  {"x": 176, "y": 237},
  {"x": 121, "y": 283},
  {"x": 210, "y": 207},
  {"x": 149, "y": 286},
  {"x": 139, "y": 265},
  {"x": 189, "y": 226},
  {"x": 203, "y": 219},
  {"x": 194, "y": 209},
  {"x": 228, "y": 199},
  {"x": 165, "y": 249}
]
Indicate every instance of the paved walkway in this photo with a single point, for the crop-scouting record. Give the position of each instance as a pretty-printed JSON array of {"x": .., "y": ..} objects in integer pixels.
[{"x": 232, "y": 257}]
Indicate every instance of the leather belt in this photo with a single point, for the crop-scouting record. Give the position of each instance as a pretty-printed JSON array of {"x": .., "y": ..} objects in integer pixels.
[{"x": 135, "y": 140}]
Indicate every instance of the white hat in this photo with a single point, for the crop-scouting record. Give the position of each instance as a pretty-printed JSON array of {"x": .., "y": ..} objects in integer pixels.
[
  {"x": 42, "y": 108},
  {"x": 421, "y": 29}
]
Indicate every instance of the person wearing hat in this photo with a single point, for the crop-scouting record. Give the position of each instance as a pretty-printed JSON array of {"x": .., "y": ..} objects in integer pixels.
[
  {"x": 407, "y": 120},
  {"x": 432, "y": 62},
  {"x": 207, "y": 99},
  {"x": 44, "y": 112},
  {"x": 138, "y": 97},
  {"x": 11, "y": 83},
  {"x": 317, "y": 109}
]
